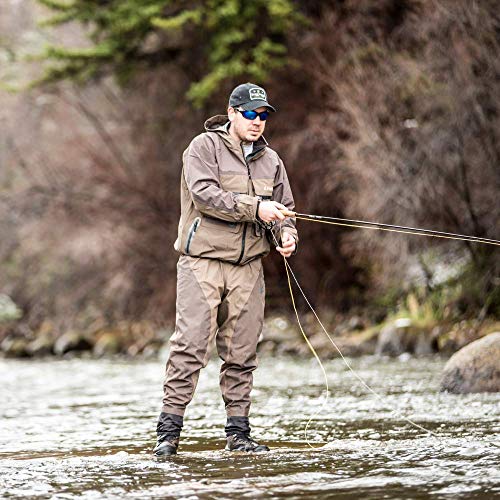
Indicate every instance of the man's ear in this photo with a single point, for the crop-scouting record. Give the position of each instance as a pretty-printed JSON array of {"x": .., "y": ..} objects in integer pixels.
[{"x": 231, "y": 113}]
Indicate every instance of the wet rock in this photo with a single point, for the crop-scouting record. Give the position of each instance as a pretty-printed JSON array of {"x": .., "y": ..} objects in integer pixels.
[
  {"x": 458, "y": 336},
  {"x": 41, "y": 346},
  {"x": 474, "y": 368},
  {"x": 426, "y": 343},
  {"x": 108, "y": 343},
  {"x": 72, "y": 341},
  {"x": 395, "y": 338},
  {"x": 357, "y": 343},
  {"x": 44, "y": 339},
  {"x": 402, "y": 336},
  {"x": 356, "y": 323},
  {"x": 15, "y": 347}
]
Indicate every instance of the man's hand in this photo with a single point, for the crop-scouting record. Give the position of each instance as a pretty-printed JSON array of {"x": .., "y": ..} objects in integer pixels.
[
  {"x": 288, "y": 244},
  {"x": 270, "y": 210}
]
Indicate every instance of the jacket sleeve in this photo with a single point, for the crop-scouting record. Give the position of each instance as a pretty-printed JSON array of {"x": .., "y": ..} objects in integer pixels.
[
  {"x": 202, "y": 179},
  {"x": 282, "y": 193}
]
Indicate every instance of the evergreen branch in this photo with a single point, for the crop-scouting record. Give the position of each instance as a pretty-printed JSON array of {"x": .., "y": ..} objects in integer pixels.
[
  {"x": 178, "y": 21},
  {"x": 241, "y": 38},
  {"x": 58, "y": 5}
]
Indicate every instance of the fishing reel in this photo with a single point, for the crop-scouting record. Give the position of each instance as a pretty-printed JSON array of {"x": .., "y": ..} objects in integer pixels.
[{"x": 266, "y": 225}]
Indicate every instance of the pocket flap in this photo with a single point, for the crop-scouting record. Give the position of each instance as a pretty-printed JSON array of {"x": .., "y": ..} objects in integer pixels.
[
  {"x": 213, "y": 223},
  {"x": 263, "y": 187}
]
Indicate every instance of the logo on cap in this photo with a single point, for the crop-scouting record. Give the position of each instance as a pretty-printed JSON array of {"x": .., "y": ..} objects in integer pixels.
[{"x": 257, "y": 94}]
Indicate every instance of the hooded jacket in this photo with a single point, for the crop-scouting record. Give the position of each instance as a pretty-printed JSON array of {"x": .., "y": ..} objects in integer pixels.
[{"x": 220, "y": 194}]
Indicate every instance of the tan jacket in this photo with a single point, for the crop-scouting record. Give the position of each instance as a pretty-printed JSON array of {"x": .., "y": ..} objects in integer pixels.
[{"x": 220, "y": 193}]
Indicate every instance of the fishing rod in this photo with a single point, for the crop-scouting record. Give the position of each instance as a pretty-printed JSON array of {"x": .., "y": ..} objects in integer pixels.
[{"x": 362, "y": 224}]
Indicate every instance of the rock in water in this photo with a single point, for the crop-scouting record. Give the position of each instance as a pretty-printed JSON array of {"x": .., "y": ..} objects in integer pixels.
[{"x": 474, "y": 368}]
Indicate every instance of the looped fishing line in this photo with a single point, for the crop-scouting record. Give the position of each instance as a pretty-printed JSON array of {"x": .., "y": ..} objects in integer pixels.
[{"x": 396, "y": 412}]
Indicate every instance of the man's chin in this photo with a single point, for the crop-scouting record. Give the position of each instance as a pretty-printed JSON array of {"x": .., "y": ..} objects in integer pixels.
[{"x": 253, "y": 137}]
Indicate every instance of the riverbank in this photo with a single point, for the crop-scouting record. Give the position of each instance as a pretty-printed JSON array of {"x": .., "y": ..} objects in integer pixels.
[{"x": 354, "y": 335}]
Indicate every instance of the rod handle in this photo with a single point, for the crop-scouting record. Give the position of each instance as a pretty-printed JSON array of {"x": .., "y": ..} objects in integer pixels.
[{"x": 287, "y": 213}]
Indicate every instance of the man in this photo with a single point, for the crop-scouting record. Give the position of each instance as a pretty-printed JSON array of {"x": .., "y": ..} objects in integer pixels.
[{"x": 233, "y": 188}]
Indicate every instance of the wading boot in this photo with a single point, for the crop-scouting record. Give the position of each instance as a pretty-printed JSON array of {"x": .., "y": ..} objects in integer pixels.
[
  {"x": 238, "y": 436},
  {"x": 166, "y": 446},
  {"x": 168, "y": 430}
]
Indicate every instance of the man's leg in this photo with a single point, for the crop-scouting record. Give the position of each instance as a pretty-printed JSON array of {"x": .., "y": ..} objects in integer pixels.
[
  {"x": 240, "y": 319},
  {"x": 199, "y": 288}
]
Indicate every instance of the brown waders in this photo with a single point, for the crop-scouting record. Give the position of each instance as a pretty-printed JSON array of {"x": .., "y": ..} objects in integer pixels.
[{"x": 215, "y": 298}]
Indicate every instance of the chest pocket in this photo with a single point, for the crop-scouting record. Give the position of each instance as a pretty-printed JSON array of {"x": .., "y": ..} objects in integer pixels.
[
  {"x": 212, "y": 223},
  {"x": 263, "y": 188},
  {"x": 237, "y": 183}
]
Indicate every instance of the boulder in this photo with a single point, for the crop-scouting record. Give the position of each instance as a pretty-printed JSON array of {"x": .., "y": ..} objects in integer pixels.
[{"x": 474, "y": 368}]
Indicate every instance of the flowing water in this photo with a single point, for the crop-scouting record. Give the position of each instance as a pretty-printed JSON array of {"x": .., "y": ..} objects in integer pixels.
[{"x": 85, "y": 429}]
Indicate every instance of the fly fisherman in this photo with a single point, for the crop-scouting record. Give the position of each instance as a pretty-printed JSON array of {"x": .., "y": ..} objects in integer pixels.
[{"x": 233, "y": 188}]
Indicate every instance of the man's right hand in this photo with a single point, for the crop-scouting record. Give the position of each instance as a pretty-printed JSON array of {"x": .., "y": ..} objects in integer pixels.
[{"x": 270, "y": 210}]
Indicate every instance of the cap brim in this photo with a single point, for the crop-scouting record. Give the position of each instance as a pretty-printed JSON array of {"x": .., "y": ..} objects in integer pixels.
[{"x": 250, "y": 106}]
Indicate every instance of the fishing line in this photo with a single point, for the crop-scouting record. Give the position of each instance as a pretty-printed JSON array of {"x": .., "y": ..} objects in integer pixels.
[
  {"x": 337, "y": 221},
  {"x": 289, "y": 272},
  {"x": 325, "y": 402}
]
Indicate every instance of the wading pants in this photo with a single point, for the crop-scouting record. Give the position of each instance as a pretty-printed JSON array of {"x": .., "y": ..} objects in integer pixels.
[{"x": 215, "y": 298}]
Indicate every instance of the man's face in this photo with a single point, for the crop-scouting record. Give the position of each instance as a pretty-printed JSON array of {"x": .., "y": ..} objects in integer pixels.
[{"x": 244, "y": 129}]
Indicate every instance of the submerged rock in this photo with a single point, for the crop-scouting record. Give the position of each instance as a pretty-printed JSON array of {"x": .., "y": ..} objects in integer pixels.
[{"x": 475, "y": 368}]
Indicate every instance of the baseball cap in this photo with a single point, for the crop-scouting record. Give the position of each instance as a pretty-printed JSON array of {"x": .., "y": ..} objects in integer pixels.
[{"x": 249, "y": 96}]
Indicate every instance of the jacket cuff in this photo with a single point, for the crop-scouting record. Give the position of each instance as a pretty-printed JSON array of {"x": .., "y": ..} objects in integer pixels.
[
  {"x": 247, "y": 207},
  {"x": 257, "y": 218}
]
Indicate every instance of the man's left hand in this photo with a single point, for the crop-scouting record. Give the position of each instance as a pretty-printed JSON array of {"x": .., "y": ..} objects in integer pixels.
[{"x": 287, "y": 244}]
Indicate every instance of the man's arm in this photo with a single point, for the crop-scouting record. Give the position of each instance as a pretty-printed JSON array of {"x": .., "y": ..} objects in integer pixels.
[{"x": 201, "y": 174}]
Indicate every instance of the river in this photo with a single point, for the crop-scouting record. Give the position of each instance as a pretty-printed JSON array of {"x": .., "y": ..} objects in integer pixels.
[{"x": 85, "y": 429}]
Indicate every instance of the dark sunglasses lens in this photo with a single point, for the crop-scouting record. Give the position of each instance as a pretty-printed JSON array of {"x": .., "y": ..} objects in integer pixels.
[{"x": 251, "y": 115}]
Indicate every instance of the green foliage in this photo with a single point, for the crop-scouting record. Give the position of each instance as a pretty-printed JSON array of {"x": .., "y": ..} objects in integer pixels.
[
  {"x": 472, "y": 293},
  {"x": 237, "y": 38}
]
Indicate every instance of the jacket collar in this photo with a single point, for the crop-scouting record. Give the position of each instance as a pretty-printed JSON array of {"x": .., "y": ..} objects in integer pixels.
[{"x": 220, "y": 124}]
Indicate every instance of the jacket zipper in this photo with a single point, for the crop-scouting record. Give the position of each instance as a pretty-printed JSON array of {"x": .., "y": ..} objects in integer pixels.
[
  {"x": 243, "y": 239},
  {"x": 192, "y": 230}
]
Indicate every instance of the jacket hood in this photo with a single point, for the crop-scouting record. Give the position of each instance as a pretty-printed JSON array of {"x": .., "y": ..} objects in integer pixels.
[
  {"x": 220, "y": 124},
  {"x": 217, "y": 123}
]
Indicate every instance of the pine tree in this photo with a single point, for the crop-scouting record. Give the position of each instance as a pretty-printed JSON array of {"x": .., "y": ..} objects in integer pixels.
[{"x": 220, "y": 39}]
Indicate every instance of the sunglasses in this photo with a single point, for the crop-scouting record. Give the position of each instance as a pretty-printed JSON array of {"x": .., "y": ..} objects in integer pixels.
[{"x": 251, "y": 115}]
